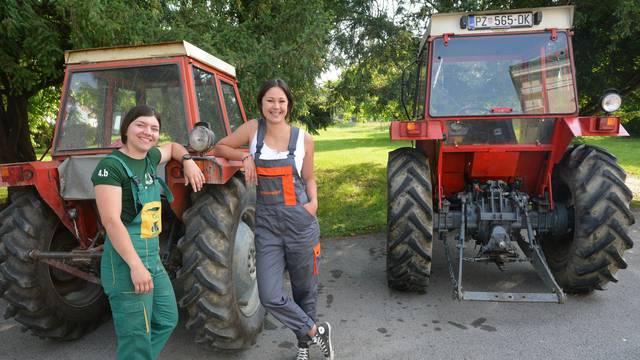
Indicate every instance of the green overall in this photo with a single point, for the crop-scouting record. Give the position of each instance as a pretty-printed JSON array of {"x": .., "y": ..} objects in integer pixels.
[{"x": 143, "y": 322}]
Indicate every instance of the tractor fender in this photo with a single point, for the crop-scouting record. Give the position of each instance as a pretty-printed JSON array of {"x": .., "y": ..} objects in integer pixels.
[
  {"x": 216, "y": 171},
  {"x": 44, "y": 177}
]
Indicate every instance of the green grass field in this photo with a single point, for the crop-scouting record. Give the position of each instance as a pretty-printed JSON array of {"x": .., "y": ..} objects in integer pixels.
[{"x": 351, "y": 172}]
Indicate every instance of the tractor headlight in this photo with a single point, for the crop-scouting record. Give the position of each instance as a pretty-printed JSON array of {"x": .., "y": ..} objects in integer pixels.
[
  {"x": 201, "y": 138},
  {"x": 611, "y": 101}
]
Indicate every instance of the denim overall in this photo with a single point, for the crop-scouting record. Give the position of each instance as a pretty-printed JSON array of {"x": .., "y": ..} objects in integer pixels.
[
  {"x": 143, "y": 322},
  {"x": 287, "y": 237}
]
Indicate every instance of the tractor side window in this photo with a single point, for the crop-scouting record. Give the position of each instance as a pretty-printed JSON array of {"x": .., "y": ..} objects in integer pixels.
[
  {"x": 208, "y": 102},
  {"x": 83, "y": 112},
  {"x": 232, "y": 105},
  {"x": 421, "y": 87},
  {"x": 97, "y": 101}
]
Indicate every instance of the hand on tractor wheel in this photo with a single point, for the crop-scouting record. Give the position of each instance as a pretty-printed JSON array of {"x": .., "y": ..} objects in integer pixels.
[
  {"x": 250, "y": 176},
  {"x": 193, "y": 175},
  {"x": 141, "y": 278}
]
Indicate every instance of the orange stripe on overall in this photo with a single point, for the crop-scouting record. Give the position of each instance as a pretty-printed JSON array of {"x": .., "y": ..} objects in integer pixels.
[
  {"x": 286, "y": 174},
  {"x": 316, "y": 253}
]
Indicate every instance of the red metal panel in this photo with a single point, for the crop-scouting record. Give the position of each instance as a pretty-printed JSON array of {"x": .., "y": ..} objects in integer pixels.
[
  {"x": 191, "y": 107},
  {"x": 494, "y": 164},
  {"x": 454, "y": 167}
]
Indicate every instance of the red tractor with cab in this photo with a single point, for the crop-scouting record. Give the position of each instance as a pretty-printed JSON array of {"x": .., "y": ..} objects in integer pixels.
[
  {"x": 494, "y": 115},
  {"x": 50, "y": 234}
]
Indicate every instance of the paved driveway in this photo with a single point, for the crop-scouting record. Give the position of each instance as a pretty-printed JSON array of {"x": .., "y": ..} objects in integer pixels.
[{"x": 372, "y": 322}]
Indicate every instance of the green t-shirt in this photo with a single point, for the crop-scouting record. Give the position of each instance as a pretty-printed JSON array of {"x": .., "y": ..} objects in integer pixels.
[{"x": 110, "y": 172}]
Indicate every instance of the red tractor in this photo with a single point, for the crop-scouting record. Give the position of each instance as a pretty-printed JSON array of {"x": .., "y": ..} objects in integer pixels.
[
  {"x": 51, "y": 236},
  {"x": 494, "y": 114}
]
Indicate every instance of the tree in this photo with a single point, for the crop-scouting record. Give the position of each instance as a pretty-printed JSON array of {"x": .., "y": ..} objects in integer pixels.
[
  {"x": 265, "y": 39},
  {"x": 31, "y": 57}
]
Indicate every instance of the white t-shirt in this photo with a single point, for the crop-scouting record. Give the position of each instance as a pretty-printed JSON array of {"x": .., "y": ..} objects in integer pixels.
[{"x": 270, "y": 154}]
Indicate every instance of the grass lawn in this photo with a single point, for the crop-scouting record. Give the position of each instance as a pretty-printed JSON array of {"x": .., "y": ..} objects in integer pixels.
[
  {"x": 622, "y": 148},
  {"x": 350, "y": 165}
]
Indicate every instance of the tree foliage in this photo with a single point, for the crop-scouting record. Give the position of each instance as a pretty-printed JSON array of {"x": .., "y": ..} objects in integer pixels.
[{"x": 265, "y": 39}]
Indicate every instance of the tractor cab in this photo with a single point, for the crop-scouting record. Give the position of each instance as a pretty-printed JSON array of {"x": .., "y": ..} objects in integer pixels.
[{"x": 177, "y": 79}]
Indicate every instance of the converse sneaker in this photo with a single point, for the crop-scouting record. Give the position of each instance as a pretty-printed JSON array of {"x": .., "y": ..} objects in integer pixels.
[
  {"x": 303, "y": 353},
  {"x": 323, "y": 339}
]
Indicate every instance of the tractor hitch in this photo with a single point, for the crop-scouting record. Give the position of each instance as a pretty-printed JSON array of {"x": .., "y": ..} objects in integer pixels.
[{"x": 494, "y": 219}]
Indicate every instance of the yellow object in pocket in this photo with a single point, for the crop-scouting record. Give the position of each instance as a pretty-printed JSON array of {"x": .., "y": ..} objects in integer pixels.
[{"x": 151, "y": 220}]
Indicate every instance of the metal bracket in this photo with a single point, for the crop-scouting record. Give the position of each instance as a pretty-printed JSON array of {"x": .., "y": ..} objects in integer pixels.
[
  {"x": 530, "y": 248},
  {"x": 72, "y": 270},
  {"x": 50, "y": 258}
]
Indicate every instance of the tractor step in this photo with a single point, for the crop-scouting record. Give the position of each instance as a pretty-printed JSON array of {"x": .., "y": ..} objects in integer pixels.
[{"x": 510, "y": 297}]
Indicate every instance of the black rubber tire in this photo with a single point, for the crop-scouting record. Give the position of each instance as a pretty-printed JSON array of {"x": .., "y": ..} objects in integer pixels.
[
  {"x": 207, "y": 275},
  {"x": 591, "y": 183},
  {"x": 409, "y": 220},
  {"x": 48, "y": 302}
]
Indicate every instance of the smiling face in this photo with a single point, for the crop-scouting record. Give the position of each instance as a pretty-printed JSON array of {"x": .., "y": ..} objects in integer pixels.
[
  {"x": 143, "y": 133},
  {"x": 274, "y": 105}
]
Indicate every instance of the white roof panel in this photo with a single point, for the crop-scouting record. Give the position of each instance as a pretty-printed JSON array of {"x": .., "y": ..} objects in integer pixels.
[{"x": 178, "y": 48}]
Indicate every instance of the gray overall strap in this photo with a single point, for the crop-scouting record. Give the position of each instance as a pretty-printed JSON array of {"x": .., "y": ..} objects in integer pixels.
[
  {"x": 293, "y": 141},
  {"x": 262, "y": 129}
]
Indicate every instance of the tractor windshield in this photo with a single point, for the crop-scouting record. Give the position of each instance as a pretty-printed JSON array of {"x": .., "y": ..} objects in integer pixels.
[
  {"x": 97, "y": 101},
  {"x": 517, "y": 74}
]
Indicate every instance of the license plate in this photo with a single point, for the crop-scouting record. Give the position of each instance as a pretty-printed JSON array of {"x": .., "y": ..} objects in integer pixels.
[{"x": 501, "y": 21}]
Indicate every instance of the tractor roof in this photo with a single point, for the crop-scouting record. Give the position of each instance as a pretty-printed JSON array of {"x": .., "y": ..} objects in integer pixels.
[
  {"x": 147, "y": 51},
  {"x": 558, "y": 17}
]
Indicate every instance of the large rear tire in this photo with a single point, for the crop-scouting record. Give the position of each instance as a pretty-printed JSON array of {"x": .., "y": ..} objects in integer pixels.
[
  {"x": 591, "y": 183},
  {"x": 409, "y": 220},
  {"x": 218, "y": 272},
  {"x": 47, "y": 301}
]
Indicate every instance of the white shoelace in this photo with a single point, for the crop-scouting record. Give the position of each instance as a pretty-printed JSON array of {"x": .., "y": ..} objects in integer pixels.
[
  {"x": 303, "y": 354},
  {"x": 323, "y": 345}
]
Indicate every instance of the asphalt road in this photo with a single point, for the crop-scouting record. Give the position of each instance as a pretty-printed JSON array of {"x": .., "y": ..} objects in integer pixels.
[{"x": 372, "y": 322}]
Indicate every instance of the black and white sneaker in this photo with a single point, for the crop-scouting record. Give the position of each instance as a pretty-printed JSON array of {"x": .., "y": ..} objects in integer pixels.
[
  {"x": 303, "y": 353},
  {"x": 323, "y": 339}
]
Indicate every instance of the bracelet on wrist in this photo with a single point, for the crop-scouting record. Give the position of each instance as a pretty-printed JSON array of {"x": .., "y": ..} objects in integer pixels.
[{"x": 246, "y": 157}]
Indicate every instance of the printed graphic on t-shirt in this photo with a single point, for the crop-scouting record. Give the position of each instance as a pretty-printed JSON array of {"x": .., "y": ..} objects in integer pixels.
[
  {"x": 148, "y": 179},
  {"x": 151, "y": 216}
]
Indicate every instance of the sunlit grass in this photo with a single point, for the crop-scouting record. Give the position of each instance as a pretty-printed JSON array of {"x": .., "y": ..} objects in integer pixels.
[
  {"x": 350, "y": 165},
  {"x": 624, "y": 148}
]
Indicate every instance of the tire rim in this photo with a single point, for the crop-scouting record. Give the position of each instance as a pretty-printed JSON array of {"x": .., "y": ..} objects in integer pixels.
[
  {"x": 244, "y": 269},
  {"x": 72, "y": 290}
]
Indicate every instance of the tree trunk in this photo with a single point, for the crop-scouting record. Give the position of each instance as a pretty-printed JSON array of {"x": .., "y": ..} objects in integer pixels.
[{"x": 15, "y": 139}]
